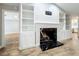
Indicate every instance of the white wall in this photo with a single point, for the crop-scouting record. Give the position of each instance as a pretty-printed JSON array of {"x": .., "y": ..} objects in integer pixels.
[
  {"x": 39, "y": 13},
  {"x": 74, "y": 22},
  {"x": 11, "y": 27},
  {"x": 11, "y": 22}
]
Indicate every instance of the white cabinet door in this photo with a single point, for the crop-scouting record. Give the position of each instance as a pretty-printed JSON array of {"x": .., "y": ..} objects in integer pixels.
[{"x": 27, "y": 39}]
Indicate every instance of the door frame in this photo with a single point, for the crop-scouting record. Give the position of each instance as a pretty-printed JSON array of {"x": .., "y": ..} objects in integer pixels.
[{"x": 3, "y": 26}]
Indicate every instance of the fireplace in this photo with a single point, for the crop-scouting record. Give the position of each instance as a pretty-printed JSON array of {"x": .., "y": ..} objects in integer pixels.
[{"x": 48, "y": 38}]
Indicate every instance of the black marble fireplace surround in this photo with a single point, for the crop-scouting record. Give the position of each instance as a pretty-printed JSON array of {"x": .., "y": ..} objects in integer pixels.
[{"x": 48, "y": 38}]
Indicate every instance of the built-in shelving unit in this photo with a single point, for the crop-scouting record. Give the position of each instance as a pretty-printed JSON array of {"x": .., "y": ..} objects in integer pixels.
[
  {"x": 27, "y": 27},
  {"x": 27, "y": 18},
  {"x": 62, "y": 19},
  {"x": 68, "y": 22}
]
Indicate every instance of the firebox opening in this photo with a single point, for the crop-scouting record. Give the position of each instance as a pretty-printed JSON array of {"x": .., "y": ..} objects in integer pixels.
[{"x": 48, "y": 38}]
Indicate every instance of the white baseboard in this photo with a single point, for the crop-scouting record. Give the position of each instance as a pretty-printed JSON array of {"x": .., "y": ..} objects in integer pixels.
[
  {"x": 65, "y": 40},
  {"x": 23, "y": 48}
]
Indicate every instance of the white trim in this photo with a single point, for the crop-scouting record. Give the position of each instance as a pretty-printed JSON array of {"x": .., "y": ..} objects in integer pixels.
[
  {"x": 3, "y": 29},
  {"x": 46, "y": 22},
  {"x": 26, "y": 48}
]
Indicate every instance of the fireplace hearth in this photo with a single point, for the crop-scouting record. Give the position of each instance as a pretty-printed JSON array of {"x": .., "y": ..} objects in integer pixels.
[{"x": 48, "y": 38}]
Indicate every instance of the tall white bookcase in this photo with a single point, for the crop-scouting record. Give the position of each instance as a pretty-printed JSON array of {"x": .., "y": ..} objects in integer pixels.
[
  {"x": 27, "y": 27},
  {"x": 62, "y": 19}
]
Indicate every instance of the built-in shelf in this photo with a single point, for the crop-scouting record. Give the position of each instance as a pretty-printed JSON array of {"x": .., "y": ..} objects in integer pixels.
[
  {"x": 27, "y": 18},
  {"x": 62, "y": 19},
  {"x": 30, "y": 11},
  {"x": 27, "y": 25},
  {"x": 28, "y": 28}
]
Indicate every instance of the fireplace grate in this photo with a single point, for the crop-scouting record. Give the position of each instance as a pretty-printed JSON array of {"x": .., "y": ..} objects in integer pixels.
[{"x": 48, "y": 38}]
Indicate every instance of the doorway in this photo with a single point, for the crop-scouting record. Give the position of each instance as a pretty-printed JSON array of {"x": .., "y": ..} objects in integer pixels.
[{"x": 11, "y": 28}]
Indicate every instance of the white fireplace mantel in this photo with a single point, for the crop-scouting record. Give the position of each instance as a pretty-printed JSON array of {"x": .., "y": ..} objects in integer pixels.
[
  {"x": 61, "y": 34},
  {"x": 45, "y": 25}
]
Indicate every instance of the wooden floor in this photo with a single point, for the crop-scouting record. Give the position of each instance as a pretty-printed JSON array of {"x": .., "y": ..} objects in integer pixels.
[
  {"x": 70, "y": 48},
  {"x": 12, "y": 38}
]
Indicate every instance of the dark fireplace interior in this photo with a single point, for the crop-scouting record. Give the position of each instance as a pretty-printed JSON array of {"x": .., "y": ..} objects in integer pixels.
[{"x": 48, "y": 38}]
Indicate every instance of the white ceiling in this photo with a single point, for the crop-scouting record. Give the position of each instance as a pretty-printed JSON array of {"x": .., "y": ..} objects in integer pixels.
[{"x": 70, "y": 8}]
